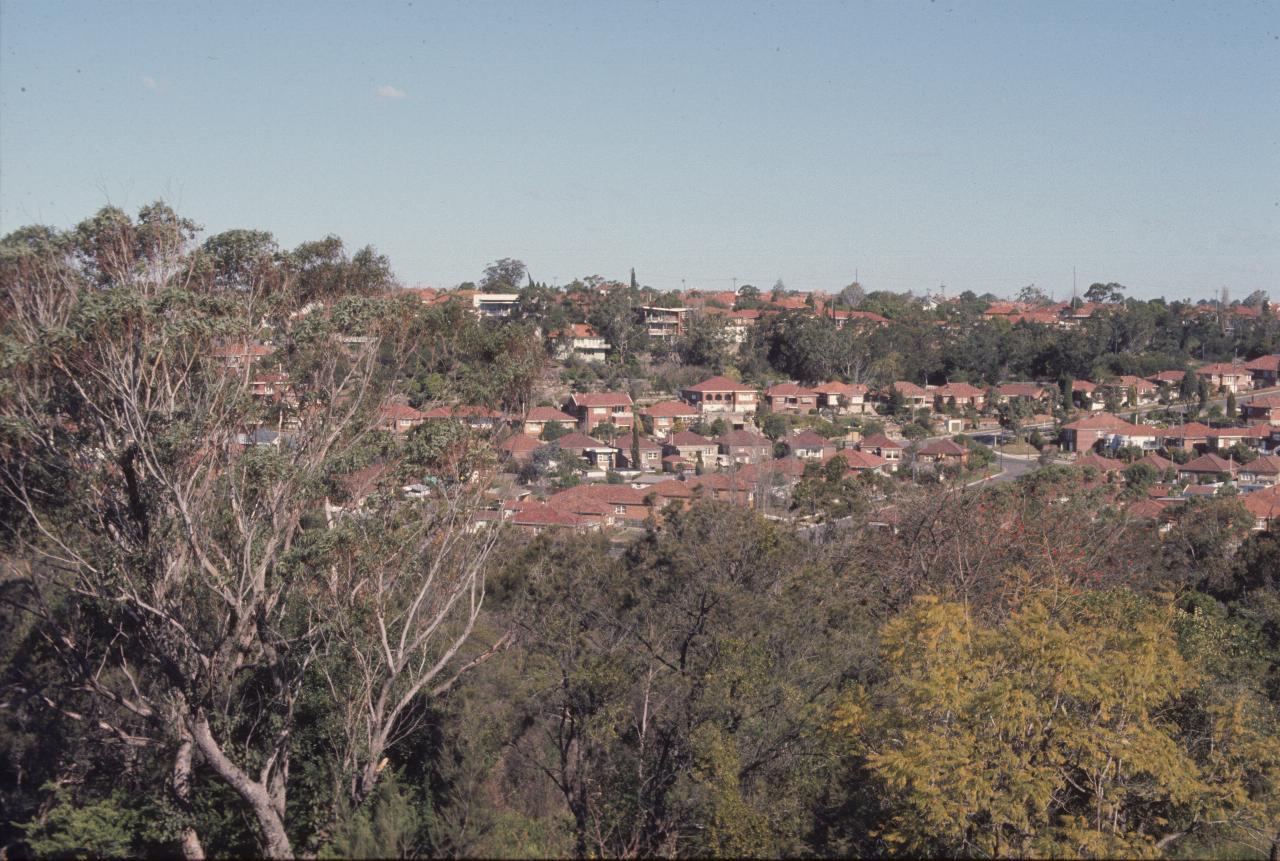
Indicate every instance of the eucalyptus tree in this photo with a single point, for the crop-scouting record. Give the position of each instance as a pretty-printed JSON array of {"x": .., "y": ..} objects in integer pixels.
[{"x": 163, "y": 525}]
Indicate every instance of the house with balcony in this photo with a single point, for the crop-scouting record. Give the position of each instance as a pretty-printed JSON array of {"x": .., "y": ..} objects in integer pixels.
[
  {"x": 592, "y": 409},
  {"x": 666, "y": 416},
  {"x": 791, "y": 398},
  {"x": 580, "y": 340},
  {"x": 494, "y": 304},
  {"x": 721, "y": 395},
  {"x": 665, "y": 323},
  {"x": 692, "y": 448}
]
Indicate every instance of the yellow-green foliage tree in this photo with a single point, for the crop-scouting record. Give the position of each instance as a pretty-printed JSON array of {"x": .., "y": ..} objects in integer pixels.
[{"x": 1074, "y": 727}]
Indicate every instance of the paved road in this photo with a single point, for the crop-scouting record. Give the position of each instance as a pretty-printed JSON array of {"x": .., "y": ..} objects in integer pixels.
[{"x": 1013, "y": 467}]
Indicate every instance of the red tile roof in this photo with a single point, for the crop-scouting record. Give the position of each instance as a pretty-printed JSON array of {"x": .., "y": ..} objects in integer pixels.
[
  {"x": 519, "y": 444},
  {"x": 462, "y": 412},
  {"x": 541, "y": 514},
  {"x": 1265, "y": 363},
  {"x": 958, "y": 390},
  {"x": 943, "y": 448},
  {"x": 860, "y": 460},
  {"x": 577, "y": 440},
  {"x": 790, "y": 390},
  {"x": 1023, "y": 390},
  {"x": 669, "y": 410},
  {"x": 687, "y": 437},
  {"x": 809, "y": 439},
  {"x": 1103, "y": 464},
  {"x": 601, "y": 399},
  {"x": 1209, "y": 463},
  {"x": 396, "y": 411},
  {"x": 719, "y": 384},
  {"x": 744, "y": 438},
  {"x": 838, "y": 388},
  {"x": 549, "y": 414},
  {"x": 879, "y": 440}
]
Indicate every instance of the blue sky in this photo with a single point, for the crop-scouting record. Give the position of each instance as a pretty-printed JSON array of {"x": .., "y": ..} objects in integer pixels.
[{"x": 981, "y": 145}]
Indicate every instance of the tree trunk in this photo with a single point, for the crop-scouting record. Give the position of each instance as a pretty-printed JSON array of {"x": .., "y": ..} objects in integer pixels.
[
  {"x": 192, "y": 850},
  {"x": 275, "y": 838}
]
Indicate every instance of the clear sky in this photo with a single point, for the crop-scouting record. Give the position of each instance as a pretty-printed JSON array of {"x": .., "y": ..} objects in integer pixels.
[{"x": 981, "y": 145}]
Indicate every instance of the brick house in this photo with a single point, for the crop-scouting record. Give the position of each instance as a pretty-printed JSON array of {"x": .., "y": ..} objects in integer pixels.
[
  {"x": 943, "y": 452},
  {"x": 398, "y": 417},
  {"x": 744, "y": 446},
  {"x": 860, "y": 462},
  {"x": 791, "y": 398},
  {"x": 1253, "y": 436},
  {"x": 596, "y": 408},
  {"x": 693, "y": 448},
  {"x": 721, "y": 395},
  {"x": 650, "y": 455},
  {"x": 535, "y": 517},
  {"x": 537, "y": 419},
  {"x": 1115, "y": 432},
  {"x": 880, "y": 445},
  {"x": 628, "y": 503},
  {"x": 1227, "y": 376},
  {"x": 1264, "y": 370},
  {"x": 1264, "y": 469},
  {"x": 843, "y": 398},
  {"x": 1190, "y": 435},
  {"x": 912, "y": 395},
  {"x": 1144, "y": 391},
  {"x": 808, "y": 445},
  {"x": 1263, "y": 408},
  {"x": 667, "y": 416},
  {"x": 724, "y": 488},
  {"x": 1029, "y": 392},
  {"x": 1085, "y": 395},
  {"x": 1265, "y": 507},
  {"x": 1207, "y": 466},
  {"x": 519, "y": 447},
  {"x": 596, "y": 453},
  {"x": 958, "y": 395}
]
